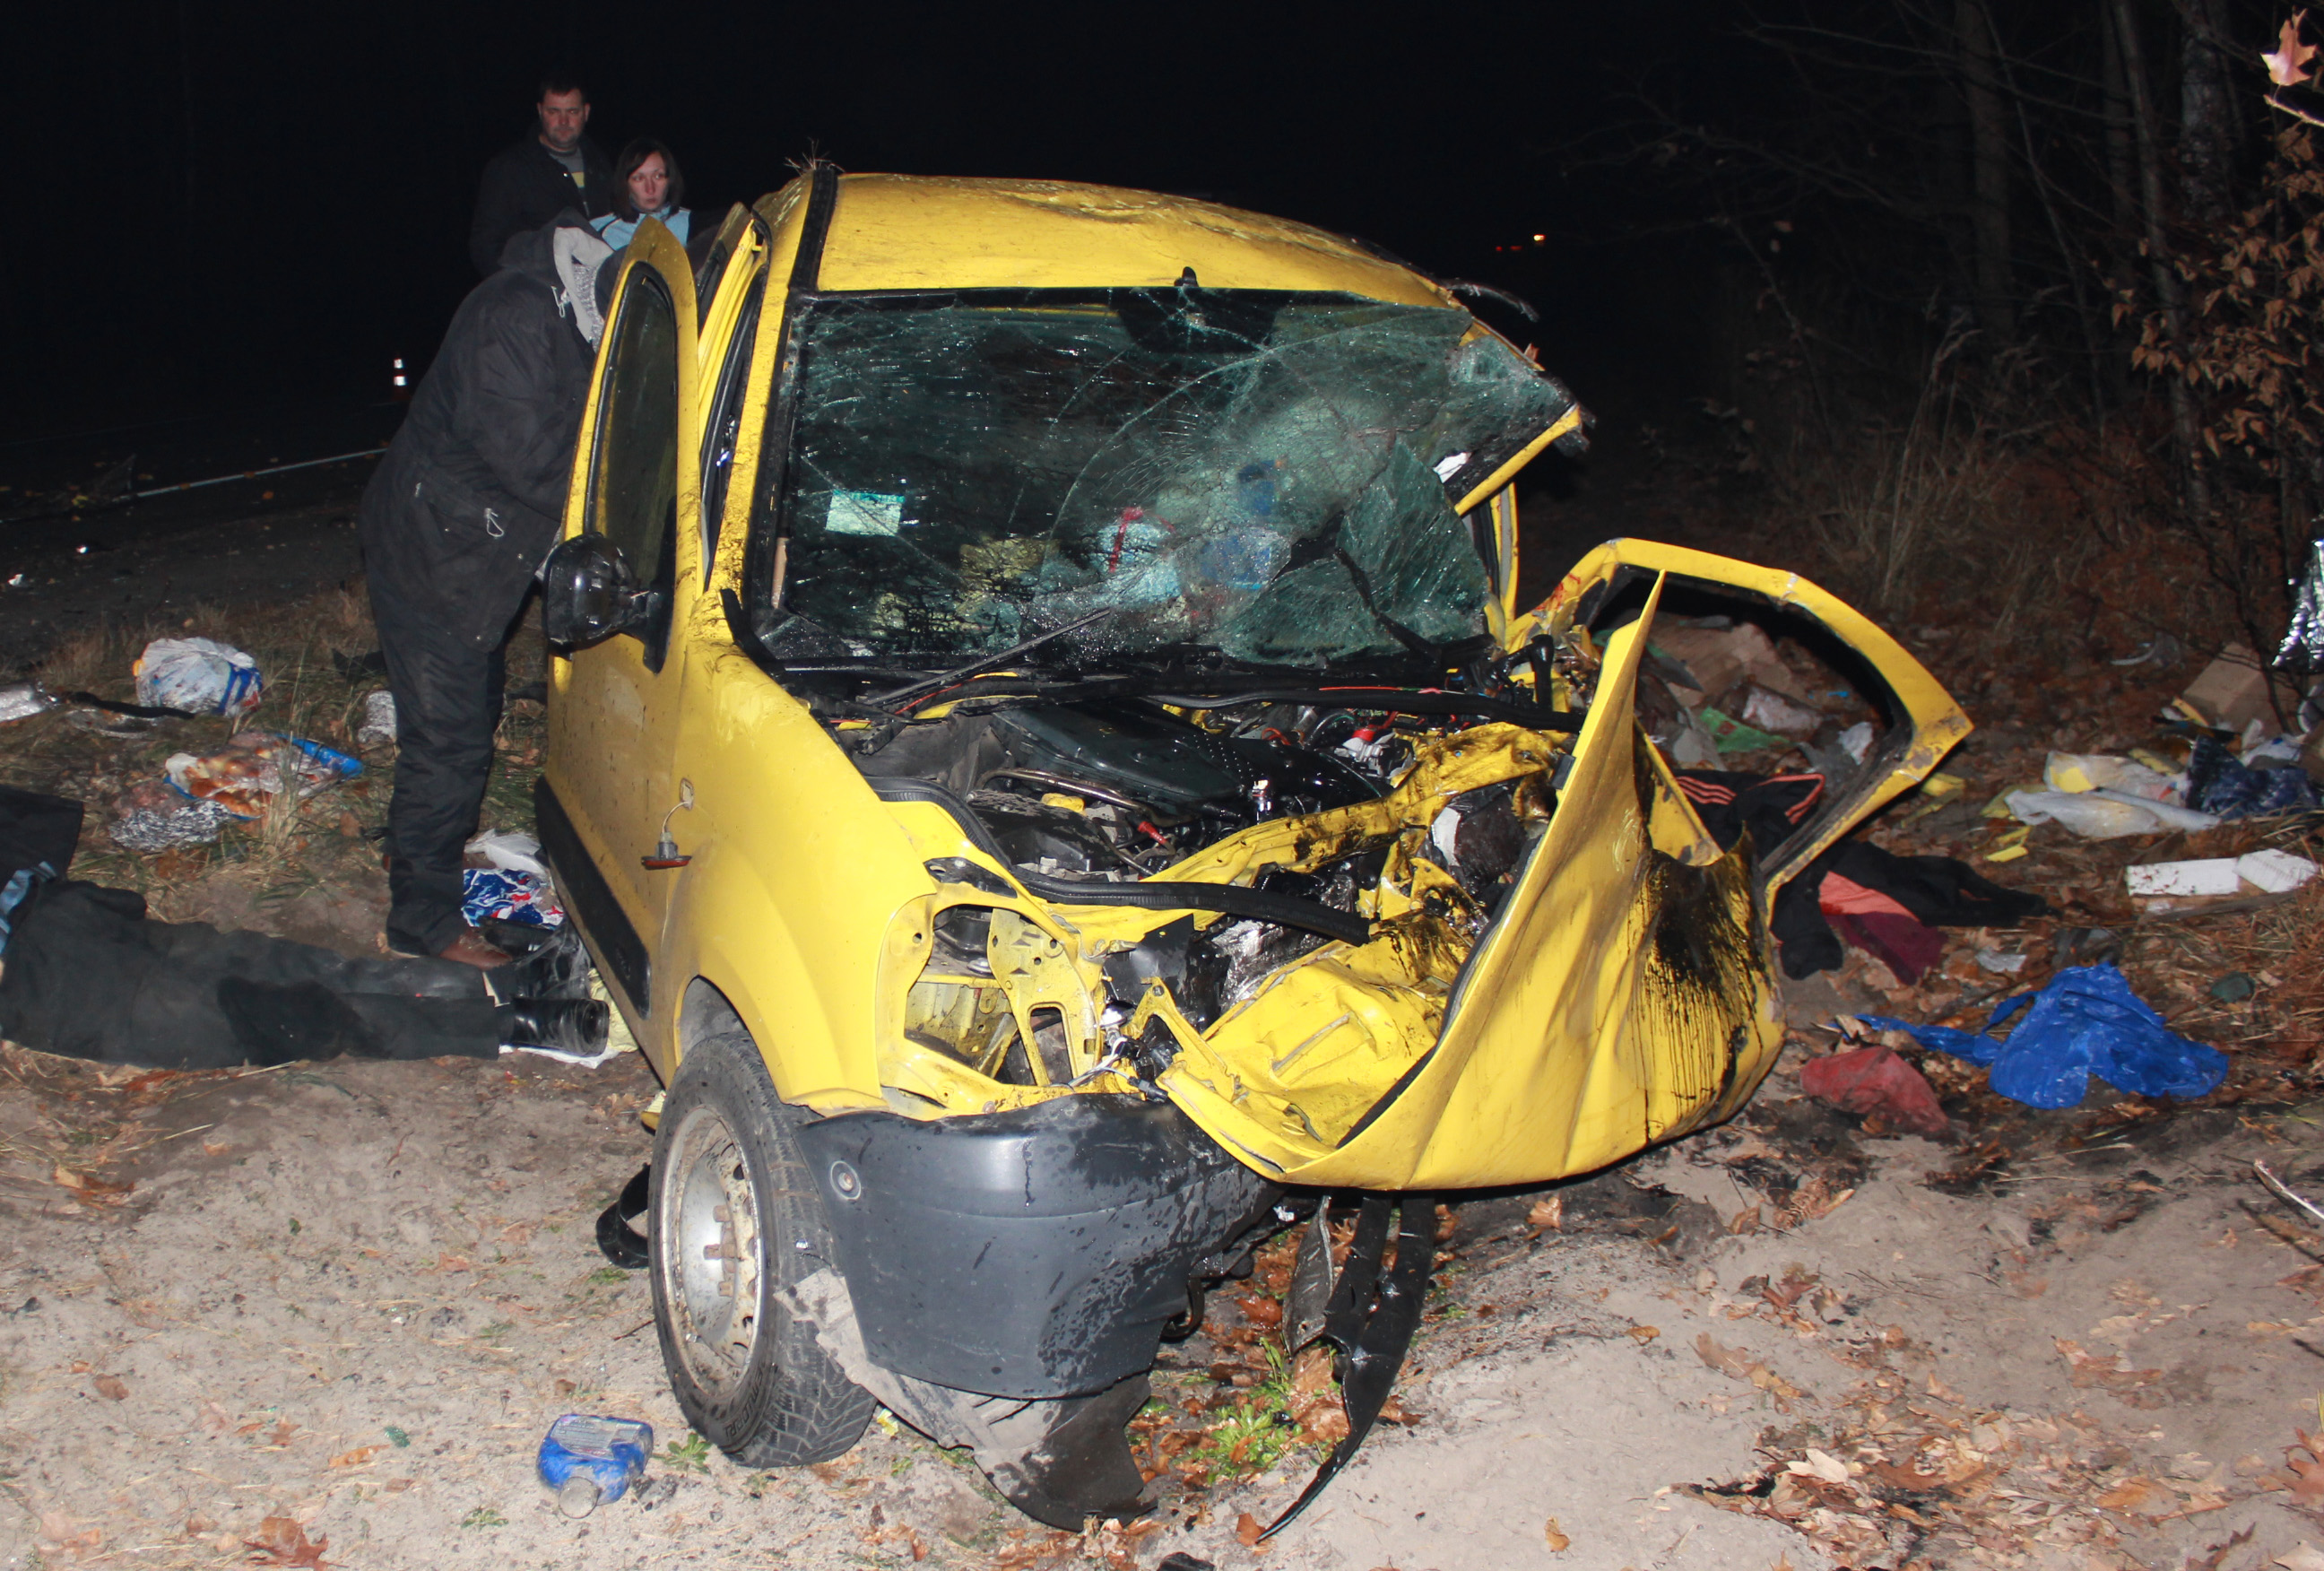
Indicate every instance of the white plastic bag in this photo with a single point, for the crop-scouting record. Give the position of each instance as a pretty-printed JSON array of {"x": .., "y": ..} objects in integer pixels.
[
  {"x": 198, "y": 675},
  {"x": 510, "y": 852},
  {"x": 2085, "y": 771},
  {"x": 2104, "y": 814}
]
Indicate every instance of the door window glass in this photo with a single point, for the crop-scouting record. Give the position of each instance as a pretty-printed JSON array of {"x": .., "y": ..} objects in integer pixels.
[{"x": 634, "y": 490}]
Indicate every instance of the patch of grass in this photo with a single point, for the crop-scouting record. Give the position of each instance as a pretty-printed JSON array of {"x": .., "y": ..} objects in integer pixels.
[
  {"x": 608, "y": 1276},
  {"x": 397, "y": 1437},
  {"x": 484, "y": 1516},
  {"x": 691, "y": 1454},
  {"x": 498, "y": 1328},
  {"x": 1255, "y": 1431}
]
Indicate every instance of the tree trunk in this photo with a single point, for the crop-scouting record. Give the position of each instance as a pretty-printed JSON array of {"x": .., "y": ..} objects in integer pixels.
[
  {"x": 2205, "y": 113},
  {"x": 2158, "y": 251},
  {"x": 2122, "y": 176},
  {"x": 1989, "y": 214}
]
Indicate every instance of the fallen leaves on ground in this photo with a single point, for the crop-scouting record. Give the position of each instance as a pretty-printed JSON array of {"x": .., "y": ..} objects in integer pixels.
[
  {"x": 1558, "y": 1542},
  {"x": 1738, "y": 1364},
  {"x": 111, "y": 1387},
  {"x": 90, "y": 1189},
  {"x": 2115, "y": 1375},
  {"x": 284, "y": 1541}
]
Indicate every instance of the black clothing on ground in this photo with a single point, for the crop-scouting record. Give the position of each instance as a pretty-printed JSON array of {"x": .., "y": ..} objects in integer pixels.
[
  {"x": 1938, "y": 890},
  {"x": 455, "y": 523},
  {"x": 88, "y": 977},
  {"x": 525, "y": 185},
  {"x": 448, "y": 705},
  {"x": 35, "y": 828}
]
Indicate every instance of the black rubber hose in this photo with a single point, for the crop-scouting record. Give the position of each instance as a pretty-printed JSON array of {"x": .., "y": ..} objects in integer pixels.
[
  {"x": 1232, "y": 899},
  {"x": 1401, "y": 700}
]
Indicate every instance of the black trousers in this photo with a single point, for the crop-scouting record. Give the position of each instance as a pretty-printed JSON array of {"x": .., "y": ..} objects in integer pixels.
[{"x": 448, "y": 705}]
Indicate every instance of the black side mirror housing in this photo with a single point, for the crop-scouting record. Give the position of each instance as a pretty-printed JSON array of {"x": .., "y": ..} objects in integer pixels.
[{"x": 589, "y": 594}]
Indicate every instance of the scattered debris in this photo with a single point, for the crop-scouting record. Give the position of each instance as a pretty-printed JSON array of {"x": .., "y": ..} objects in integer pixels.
[
  {"x": 199, "y": 676},
  {"x": 22, "y": 700},
  {"x": 589, "y": 1461},
  {"x": 2087, "y": 1021},
  {"x": 1876, "y": 1081}
]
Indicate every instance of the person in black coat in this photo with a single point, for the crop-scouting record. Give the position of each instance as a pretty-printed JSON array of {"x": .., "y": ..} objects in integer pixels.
[
  {"x": 467, "y": 503},
  {"x": 550, "y": 167}
]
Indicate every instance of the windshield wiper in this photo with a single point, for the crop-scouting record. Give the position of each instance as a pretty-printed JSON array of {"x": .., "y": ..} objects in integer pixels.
[{"x": 905, "y": 695}]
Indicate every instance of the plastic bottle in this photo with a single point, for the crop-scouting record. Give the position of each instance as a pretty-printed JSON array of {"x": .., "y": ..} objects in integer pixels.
[{"x": 590, "y": 1460}]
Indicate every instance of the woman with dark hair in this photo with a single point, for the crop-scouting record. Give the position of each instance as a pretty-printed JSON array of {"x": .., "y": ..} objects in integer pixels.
[{"x": 645, "y": 185}]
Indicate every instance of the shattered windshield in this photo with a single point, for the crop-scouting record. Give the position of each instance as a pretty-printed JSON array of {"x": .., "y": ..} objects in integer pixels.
[{"x": 1268, "y": 475}]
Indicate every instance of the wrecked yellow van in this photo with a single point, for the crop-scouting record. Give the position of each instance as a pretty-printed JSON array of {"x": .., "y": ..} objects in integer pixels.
[{"x": 1047, "y": 759}]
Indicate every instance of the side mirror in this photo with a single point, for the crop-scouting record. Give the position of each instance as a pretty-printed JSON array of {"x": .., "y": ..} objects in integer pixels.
[{"x": 587, "y": 593}]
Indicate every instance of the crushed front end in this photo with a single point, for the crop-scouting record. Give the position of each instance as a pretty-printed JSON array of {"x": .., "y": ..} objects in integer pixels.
[{"x": 1268, "y": 853}]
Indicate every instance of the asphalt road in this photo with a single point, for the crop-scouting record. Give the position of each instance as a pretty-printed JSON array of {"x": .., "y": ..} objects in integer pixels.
[{"x": 270, "y": 537}]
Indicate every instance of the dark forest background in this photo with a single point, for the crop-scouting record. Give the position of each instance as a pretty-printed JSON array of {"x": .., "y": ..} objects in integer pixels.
[{"x": 1926, "y": 282}]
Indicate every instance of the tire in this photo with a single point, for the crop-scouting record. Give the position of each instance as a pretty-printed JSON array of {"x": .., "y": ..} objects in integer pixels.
[{"x": 735, "y": 1219}]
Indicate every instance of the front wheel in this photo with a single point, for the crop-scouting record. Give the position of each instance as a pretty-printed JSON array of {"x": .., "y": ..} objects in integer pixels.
[{"x": 735, "y": 1220}]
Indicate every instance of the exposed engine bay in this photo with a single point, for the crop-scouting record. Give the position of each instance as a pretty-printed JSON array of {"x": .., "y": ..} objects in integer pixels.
[{"x": 1104, "y": 802}]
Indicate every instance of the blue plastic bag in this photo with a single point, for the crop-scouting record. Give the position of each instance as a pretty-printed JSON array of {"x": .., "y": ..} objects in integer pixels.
[
  {"x": 2217, "y": 782},
  {"x": 2087, "y": 1021},
  {"x": 488, "y": 892}
]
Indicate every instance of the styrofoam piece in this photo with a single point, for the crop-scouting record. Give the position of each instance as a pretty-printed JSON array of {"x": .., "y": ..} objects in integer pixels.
[
  {"x": 2204, "y": 875},
  {"x": 2275, "y": 871}
]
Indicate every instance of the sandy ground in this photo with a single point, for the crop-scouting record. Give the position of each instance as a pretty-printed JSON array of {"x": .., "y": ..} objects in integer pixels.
[
  {"x": 321, "y": 1315},
  {"x": 353, "y": 1296}
]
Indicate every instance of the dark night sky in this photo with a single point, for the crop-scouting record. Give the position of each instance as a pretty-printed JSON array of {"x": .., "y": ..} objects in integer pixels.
[{"x": 249, "y": 200}]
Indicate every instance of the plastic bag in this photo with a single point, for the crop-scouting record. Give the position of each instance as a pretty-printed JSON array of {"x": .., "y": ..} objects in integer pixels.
[
  {"x": 2087, "y": 771},
  {"x": 487, "y": 894},
  {"x": 2104, "y": 814},
  {"x": 2087, "y": 1021},
  {"x": 2217, "y": 783},
  {"x": 199, "y": 676},
  {"x": 510, "y": 852}
]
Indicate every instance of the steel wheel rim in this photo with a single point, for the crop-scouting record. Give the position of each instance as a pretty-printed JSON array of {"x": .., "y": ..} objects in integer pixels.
[{"x": 711, "y": 1267}]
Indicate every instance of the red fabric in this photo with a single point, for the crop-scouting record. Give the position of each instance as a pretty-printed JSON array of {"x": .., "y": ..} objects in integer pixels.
[
  {"x": 1836, "y": 893},
  {"x": 1875, "y": 1080},
  {"x": 1899, "y": 942}
]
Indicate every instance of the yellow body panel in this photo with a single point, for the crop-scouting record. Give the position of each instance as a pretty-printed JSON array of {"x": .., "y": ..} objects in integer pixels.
[
  {"x": 894, "y": 231},
  {"x": 1624, "y": 996}
]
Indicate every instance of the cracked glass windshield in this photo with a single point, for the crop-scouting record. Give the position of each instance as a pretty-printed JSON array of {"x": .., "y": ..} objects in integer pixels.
[{"x": 1269, "y": 476}]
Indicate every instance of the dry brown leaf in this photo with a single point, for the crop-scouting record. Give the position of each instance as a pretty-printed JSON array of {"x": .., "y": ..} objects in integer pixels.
[
  {"x": 2284, "y": 66},
  {"x": 356, "y": 1457},
  {"x": 1259, "y": 1310},
  {"x": 2307, "y": 1479},
  {"x": 67, "y": 1535},
  {"x": 1646, "y": 1334},
  {"x": 87, "y": 1186},
  {"x": 285, "y": 1543},
  {"x": 2135, "y": 1496},
  {"x": 1548, "y": 1212},
  {"x": 1745, "y": 1221},
  {"x": 111, "y": 1387},
  {"x": 1558, "y": 1541},
  {"x": 2089, "y": 1369},
  {"x": 1247, "y": 1528},
  {"x": 1728, "y": 1361}
]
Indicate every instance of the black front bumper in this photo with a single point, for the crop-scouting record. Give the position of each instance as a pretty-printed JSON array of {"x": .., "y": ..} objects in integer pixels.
[{"x": 1034, "y": 1253}]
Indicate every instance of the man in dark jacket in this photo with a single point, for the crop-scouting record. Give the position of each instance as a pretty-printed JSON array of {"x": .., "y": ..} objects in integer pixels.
[
  {"x": 553, "y": 167},
  {"x": 456, "y": 521}
]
